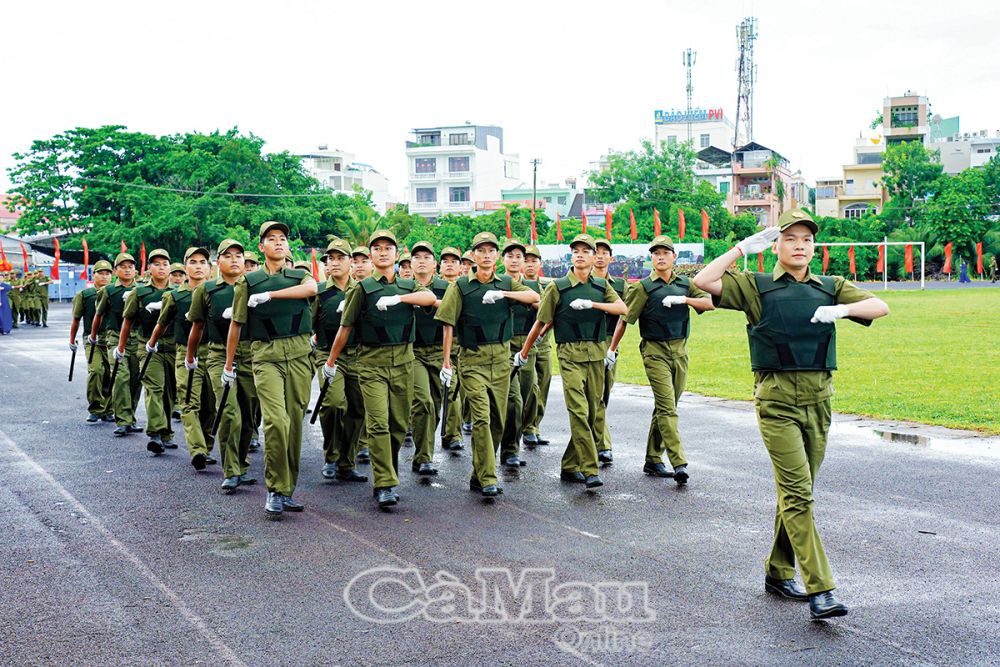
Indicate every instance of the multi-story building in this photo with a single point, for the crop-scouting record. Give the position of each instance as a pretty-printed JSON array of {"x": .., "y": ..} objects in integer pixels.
[
  {"x": 338, "y": 171},
  {"x": 905, "y": 118},
  {"x": 966, "y": 151},
  {"x": 552, "y": 197},
  {"x": 452, "y": 167},
  {"x": 709, "y": 127},
  {"x": 762, "y": 183}
]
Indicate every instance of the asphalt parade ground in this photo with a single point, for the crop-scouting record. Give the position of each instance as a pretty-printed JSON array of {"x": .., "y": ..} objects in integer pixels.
[{"x": 110, "y": 556}]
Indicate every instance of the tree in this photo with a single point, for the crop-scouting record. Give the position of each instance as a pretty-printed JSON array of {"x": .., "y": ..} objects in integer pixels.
[
  {"x": 961, "y": 211},
  {"x": 658, "y": 174},
  {"x": 911, "y": 176}
]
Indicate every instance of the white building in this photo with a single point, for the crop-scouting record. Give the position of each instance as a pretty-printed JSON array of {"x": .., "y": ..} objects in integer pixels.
[
  {"x": 452, "y": 167},
  {"x": 966, "y": 151},
  {"x": 709, "y": 127},
  {"x": 338, "y": 170}
]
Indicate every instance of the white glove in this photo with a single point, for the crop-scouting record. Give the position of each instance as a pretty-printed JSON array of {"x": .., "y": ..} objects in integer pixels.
[
  {"x": 125, "y": 294},
  {"x": 118, "y": 354},
  {"x": 492, "y": 296},
  {"x": 611, "y": 357},
  {"x": 446, "y": 375},
  {"x": 759, "y": 242},
  {"x": 340, "y": 308},
  {"x": 92, "y": 340},
  {"x": 227, "y": 314},
  {"x": 674, "y": 300},
  {"x": 151, "y": 350},
  {"x": 386, "y": 302},
  {"x": 519, "y": 361},
  {"x": 72, "y": 346},
  {"x": 581, "y": 304},
  {"x": 155, "y": 305},
  {"x": 329, "y": 372},
  {"x": 312, "y": 342},
  {"x": 257, "y": 299},
  {"x": 228, "y": 377},
  {"x": 829, "y": 314},
  {"x": 192, "y": 366}
]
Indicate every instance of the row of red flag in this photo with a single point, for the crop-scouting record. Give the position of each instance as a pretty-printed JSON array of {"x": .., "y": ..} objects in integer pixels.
[{"x": 633, "y": 231}]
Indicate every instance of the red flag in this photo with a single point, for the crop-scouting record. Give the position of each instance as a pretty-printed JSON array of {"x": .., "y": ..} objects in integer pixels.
[
  {"x": 583, "y": 221},
  {"x": 908, "y": 258},
  {"x": 509, "y": 234},
  {"x": 142, "y": 258},
  {"x": 632, "y": 231},
  {"x": 979, "y": 258},
  {"x": 704, "y": 224},
  {"x": 826, "y": 258},
  {"x": 534, "y": 230},
  {"x": 54, "y": 271},
  {"x": 656, "y": 223},
  {"x": 760, "y": 262},
  {"x": 559, "y": 236},
  {"x": 850, "y": 255},
  {"x": 4, "y": 264},
  {"x": 315, "y": 266},
  {"x": 86, "y": 260},
  {"x": 607, "y": 223},
  {"x": 947, "y": 257},
  {"x": 124, "y": 247},
  {"x": 880, "y": 264},
  {"x": 681, "y": 225},
  {"x": 24, "y": 253}
]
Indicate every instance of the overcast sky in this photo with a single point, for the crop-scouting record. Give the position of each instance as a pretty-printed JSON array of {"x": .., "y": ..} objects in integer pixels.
[{"x": 566, "y": 80}]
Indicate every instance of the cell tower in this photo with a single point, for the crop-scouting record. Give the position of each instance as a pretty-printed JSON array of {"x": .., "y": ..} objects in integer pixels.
[
  {"x": 746, "y": 74},
  {"x": 689, "y": 58}
]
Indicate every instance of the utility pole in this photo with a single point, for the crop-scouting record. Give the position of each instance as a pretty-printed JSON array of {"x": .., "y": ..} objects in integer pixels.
[
  {"x": 534, "y": 181},
  {"x": 689, "y": 58}
]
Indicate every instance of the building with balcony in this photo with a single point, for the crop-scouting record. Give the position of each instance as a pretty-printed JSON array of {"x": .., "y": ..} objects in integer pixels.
[
  {"x": 905, "y": 118},
  {"x": 337, "y": 170},
  {"x": 452, "y": 167},
  {"x": 709, "y": 127},
  {"x": 551, "y": 197},
  {"x": 761, "y": 183}
]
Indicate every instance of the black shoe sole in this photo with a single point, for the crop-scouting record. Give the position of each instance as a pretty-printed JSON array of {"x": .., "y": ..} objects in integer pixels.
[
  {"x": 273, "y": 516},
  {"x": 833, "y": 613},
  {"x": 388, "y": 503},
  {"x": 774, "y": 590},
  {"x": 657, "y": 474},
  {"x": 154, "y": 447},
  {"x": 198, "y": 461},
  {"x": 352, "y": 479},
  {"x": 681, "y": 478},
  {"x": 594, "y": 485},
  {"x": 294, "y": 509},
  {"x": 228, "y": 491}
]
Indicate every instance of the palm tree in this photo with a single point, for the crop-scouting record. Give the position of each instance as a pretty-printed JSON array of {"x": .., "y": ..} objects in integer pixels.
[{"x": 360, "y": 223}]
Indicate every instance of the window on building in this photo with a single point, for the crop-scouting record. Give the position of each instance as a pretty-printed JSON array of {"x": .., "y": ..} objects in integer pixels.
[
  {"x": 458, "y": 139},
  {"x": 429, "y": 139},
  {"x": 548, "y": 200},
  {"x": 855, "y": 211},
  {"x": 458, "y": 194},
  {"x": 703, "y": 141},
  {"x": 671, "y": 139},
  {"x": 561, "y": 200},
  {"x": 425, "y": 165},
  {"x": 826, "y": 192},
  {"x": 724, "y": 187},
  {"x": 456, "y": 164},
  {"x": 984, "y": 150},
  {"x": 427, "y": 195}
]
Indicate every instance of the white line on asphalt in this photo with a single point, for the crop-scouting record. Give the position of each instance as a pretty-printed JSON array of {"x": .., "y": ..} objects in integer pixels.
[{"x": 228, "y": 654}]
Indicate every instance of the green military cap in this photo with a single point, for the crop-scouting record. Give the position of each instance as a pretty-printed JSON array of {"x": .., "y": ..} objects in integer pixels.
[
  {"x": 467, "y": 257},
  {"x": 103, "y": 265},
  {"x": 796, "y": 217},
  {"x": 251, "y": 256},
  {"x": 272, "y": 224},
  {"x": 585, "y": 239},
  {"x": 454, "y": 252},
  {"x": 512, "y": 244},
  {"x": 226, "y": 244},
  {"x": 662, "y": 241},
  {"x": 305, "y": 266},
  {"x": 482, "y": 238},
  {"x": 159, "y": 252},
  {"x": 176, "y": 267},
  {"x": 360, "y": 250},
  {"x": 195, "y": 250},
  {"x": 604, "y": 242},
  {"x": 405, "y": 257},
  {"x": 426, "y": 246},
  {"x": 379, "y": 234},
  {"x": 532, "y": 249},
  {"x": 339, "y": 245},
  {"x": 123, "y": 257}
]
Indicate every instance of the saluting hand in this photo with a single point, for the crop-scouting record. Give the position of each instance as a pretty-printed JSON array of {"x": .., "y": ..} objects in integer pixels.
[{"x": 759, "y": 242}]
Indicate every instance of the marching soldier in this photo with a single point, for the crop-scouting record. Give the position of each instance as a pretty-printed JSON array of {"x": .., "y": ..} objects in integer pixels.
[
  {"x": 405, "y": 264},
  {"x": 98, "y": 370},
  {"x": 602, "y": 262},
  {"x": 575, "y": 307},
  {"x": 273, "y": 303},
  {"x": 480, "y": 305},
  {"x": 361, "y": 264},
  {"x": 381, "y": 308},
  {"x": 341, "y": 427},
  {"x": 468, "y": 263},
  {"x": 177, "y": 275},
  {"x": 142, "y": 309},
  {"x": 451, "y": 270},
  {"x": 251, "y": 262},
  {"x": 791, "y": 317},
  {"x": 108, "y": 323},
  {"x": 522, "y": 383},
  {"x": 534, "y": 406},
  {"x": 661, "y": 304},
  {"x": 42, "y": 290}
]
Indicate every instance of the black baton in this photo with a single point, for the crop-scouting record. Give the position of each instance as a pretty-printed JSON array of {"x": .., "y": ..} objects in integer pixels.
[
  {"x": 444, "y": 409},
  {"x": 142, "y": 374},
  {"x": 319, "y": 401},
  {"x": 187, "y": 395},
  {"x": 90, "y": 357},
  {"x": 222, "y": 404},
  {"x": 72, "y": 363}
]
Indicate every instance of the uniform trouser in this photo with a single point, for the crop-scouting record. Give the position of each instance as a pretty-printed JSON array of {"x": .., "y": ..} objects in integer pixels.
[
  {"x": 534, "y": 406},
  {"x": 333, "y": 418},
  {"x": 604, "y": 442},
  {"x": 486, "y": 388},
  {"x": 283, "y": 388},
  {"x": 44, "y": 314},
  {"x": 521, "y": 387},
  {"x": 234, "y": 431},
  {"x": 126, "y": 385},
  {"x": 388, "y": 394},
  {"x": 197, "y": 414},
  {"x": 667, "y": 377},
  {"x": 98, "y": 375},
  {"x": 795, "y": 437},
  {"x": 453, "y": 424},
  {"x": 428, "y": 394},
  {"x": 583, "y": 386},
  {"x": 157, "y": 381},
  {"x": 354, "y": 421}
]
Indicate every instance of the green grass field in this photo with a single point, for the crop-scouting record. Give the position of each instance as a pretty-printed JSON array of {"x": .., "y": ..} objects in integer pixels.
[{"x": 935, "y": 359}]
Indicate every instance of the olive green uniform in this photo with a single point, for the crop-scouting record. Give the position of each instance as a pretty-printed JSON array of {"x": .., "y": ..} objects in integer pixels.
[
  {"x": 580, "y": 347},
  {"x": 111, "y": 306},
  {"x": 384, "y": 364},
  {"x": 664, "y": 333},
  {"x": 42, "y": 291},
  {"x": 279, "y": 333},
  {"x": 483, "y": 332},
  {"x": 534, "y": 406},
  {"x": 428, "y": 393},
  {"x": 98, "y": 370},
  {"x": 522, "y": 383},
  {"x": 158, "y": 378},
  {"x": 611, "y": 322},
  {"x": 793, "y": 406}
]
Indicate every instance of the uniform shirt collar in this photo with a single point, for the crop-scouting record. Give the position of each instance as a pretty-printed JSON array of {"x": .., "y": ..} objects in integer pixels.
[
  {"x": 574, "y": 281},
  {"x": 656, "y": 276},
  {"x": 780, "y": 271},
  {"x": 475, "y": 276}
]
